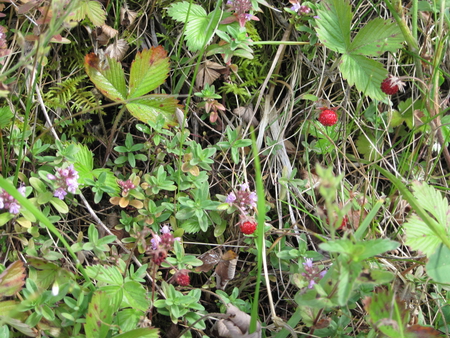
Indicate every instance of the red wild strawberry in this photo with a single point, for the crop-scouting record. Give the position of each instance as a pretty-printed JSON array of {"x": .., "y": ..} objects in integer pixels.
[
  {"x": 248, "y": 227},
  {"x": 182, "y": 277},
  {"x": 392, "y": 85},
  {"x": 328, "y": 117}
]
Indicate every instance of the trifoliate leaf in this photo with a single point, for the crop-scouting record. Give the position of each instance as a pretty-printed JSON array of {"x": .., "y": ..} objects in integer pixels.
[
  {"x": 364, "y": 73},
  {"x": 377, "y": 37},
  {"x": 95, "y": 13},
  {"x": 334, "y": 21}
]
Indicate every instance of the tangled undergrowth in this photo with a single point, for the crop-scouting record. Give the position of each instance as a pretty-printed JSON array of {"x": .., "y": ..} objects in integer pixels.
[{"x": 240, "y": 168}]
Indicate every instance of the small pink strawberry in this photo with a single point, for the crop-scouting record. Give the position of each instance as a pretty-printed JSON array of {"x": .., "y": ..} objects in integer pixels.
[
  {"x": 248, "y": 227},
  {"x": 328, "y": 117},
  {"x": 182, "y": 277},
  {"x": 391, "y": 85}
]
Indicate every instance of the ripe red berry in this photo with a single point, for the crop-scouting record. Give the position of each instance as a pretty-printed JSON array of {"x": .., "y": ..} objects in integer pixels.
[
  {"x": 182, "y": 278},
  {"x": 388, "y": 88},
  {"x": 391, "y": 85},
  {"x": 248, "y": 227},
  {"x": 328, "y": 117}
]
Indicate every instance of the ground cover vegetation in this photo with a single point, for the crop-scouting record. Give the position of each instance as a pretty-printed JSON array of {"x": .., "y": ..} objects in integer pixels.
[{"x": 240, "y": 168}]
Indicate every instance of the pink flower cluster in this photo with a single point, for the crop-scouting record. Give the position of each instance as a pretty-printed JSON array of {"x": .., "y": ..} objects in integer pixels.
[
  {"x": 126, "y": 186},
  {"x": 240, "y": 9},
  {"x": 244, "y": 199},
  {"x": 66, "y": 180},
  {"x": 161, "y": 244},
  {"x": 8, "y": 202},
  {"x": 299, "y": 8},
  {"x": 312, "y": 273}
]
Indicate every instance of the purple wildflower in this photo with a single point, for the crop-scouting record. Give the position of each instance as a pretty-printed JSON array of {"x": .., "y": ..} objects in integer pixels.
[
  {"x": 66, "y": 180},
  {"x": 312, "y": 273},
  {"x": 126, "y": 186},
  {"x": 240, "y": 9},
  {"x": 8, "y": 202},
  {"x": 296, "y": 7},
  {"x": 244, "y": 199},
  {"x": 155, "y": 241}
]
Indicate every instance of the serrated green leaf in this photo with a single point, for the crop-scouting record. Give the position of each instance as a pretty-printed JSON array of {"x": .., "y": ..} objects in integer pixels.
[
  {"x": 185, "y": 11},
  {"x": 135, "y": 296},
  {"x": 377, "y": 37},
  {"x": 109, "y": 275},
  {"x": 95, "y": 13},
  {"x": 364, "y": 73},
  {"x": 420, "y": 237},
  {"x": 334, "y": 22},
  {"x": 200, "y": 26},
  {"x": 109, "y": 78},
  {"x": 148, "y": 71},
  {"x": 100, "y": 316},
  {"x": 59, "y": 205},
  {"x": 5, "y": 116},
  {"x": 438, "y": 266},
  {"x": 432, "y": 201},
  {"x": 110, "y": 180},
  {"x": 149, "y": 108}
]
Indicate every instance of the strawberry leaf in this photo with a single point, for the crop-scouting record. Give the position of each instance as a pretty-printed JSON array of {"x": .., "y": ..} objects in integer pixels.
[
  {"x": 109, "y": 79},
  {"x": 364, "y": 73},
  {"x": 438, "y": 266},
  {"x": 419, "y": 235},
  {"x": 12, "y": 279},
  {"x": 200, "y": 25},
  {"x": 99, "y": 316},
  {"x": 334, "y": 23},
  {"x": 432, "y": 201},
  {"x": 149, "y": 70},
  {"x": 91, "y": 9},
  {"x": 149, "y": 108},
  {"x": 377, "y": 37}
]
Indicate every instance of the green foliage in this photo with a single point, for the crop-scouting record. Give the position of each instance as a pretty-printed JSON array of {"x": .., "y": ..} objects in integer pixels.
[
  {"x": 176, "y": 305},
  {"x": 375, "y": 38},
  {"x": 70, "y": 91},
  {"x": 129, "y": 149},
  {"x": 200, "y": 26}
]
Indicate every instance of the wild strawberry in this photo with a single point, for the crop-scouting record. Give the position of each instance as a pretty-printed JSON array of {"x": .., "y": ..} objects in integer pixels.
[
  {"x": 344, "y": 223},
  {"x": 248, "y": 227},
  {"x": 392, "y": 85},
  {"x": 328, "y": 117},
  {"x": 182, "y": 277}
]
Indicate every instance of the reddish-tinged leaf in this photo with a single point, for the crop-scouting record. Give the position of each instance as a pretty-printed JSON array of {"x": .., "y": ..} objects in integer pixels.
[
  {"x": 419, "y": 331},
  {"x": 149, "y": 70},
  {"x": 12, "y": 279},
  {"x": 108, "y": 76}
]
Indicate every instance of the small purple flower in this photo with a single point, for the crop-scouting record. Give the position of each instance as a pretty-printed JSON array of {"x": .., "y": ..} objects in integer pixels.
[
  {"x": 9, "y": 202},
  {"x": 14, "y": 208},
  {"x": 165, "y": 229},
  {"x": 66, "y": 180},
  {"x": 155, "y": 241},
  {"x": 231, "y": 198},
  {"x": 243, "y": 198},
  {"x": 312, "y": 273}
]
